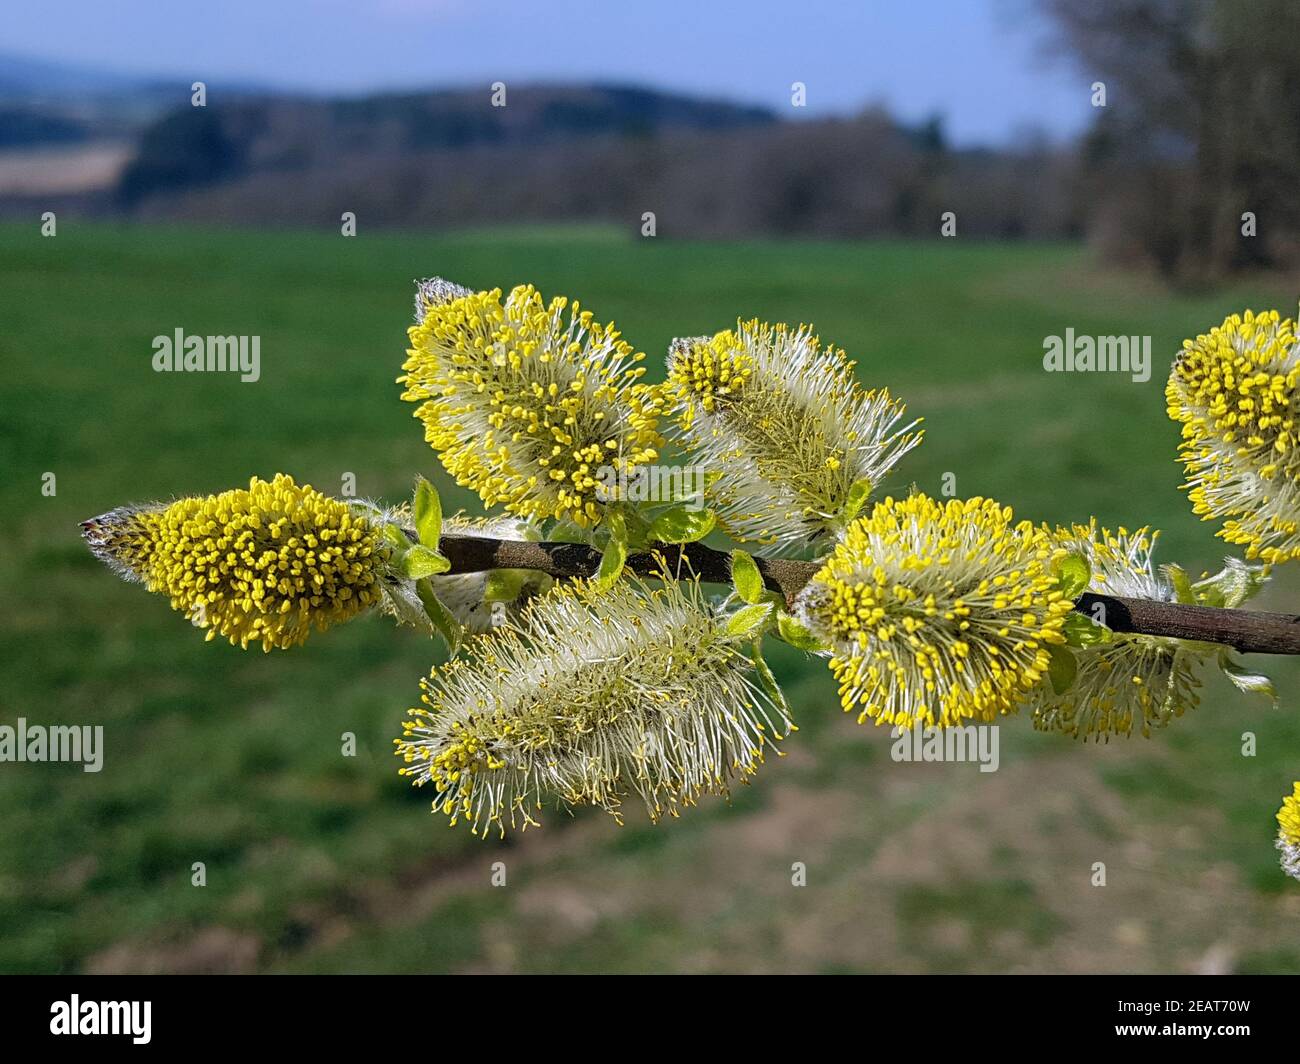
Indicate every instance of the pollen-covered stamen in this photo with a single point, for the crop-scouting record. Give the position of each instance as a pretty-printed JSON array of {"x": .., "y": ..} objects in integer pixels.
[
  {"x": 1234, "y": 390},
  {"x": 706, "y": 371},
  {"x": 590, "y": 698},
  {"x": 262, "y": 565},
  {"x": 936, "y": 614},
  {"x": 1131, "y": 682},
  {"x": 785, "y": 426},
  {"x": 1288, "y": 832},
  {"x": 525, "y": 404}
]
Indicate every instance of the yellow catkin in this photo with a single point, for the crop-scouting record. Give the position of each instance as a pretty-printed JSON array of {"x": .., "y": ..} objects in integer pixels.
[
  {"x": 263, "y": 565},
  {"x": 1234, "y": 391},
  {"x": 794, "y": 442},
  {"x": 937, "y": 613},
  {"x": 532, "y": 408},
  {"x": 1288, "y": 817},
  {"x": 1127, "y": 683},
  {"x": 590, "y": 697}
]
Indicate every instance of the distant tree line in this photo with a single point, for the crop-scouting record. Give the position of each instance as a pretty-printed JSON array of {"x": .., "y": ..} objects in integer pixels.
[
  {"x": 1188, "y": 168},
  {"x": 591, "y": 154}
]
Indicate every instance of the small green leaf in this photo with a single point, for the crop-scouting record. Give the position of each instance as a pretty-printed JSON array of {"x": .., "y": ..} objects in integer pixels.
[
  {"x": 746, "y": 577},
  {"x": 611, "y": 562},
  {"x": 396, "y": 538},
  {"x": 1181, "y": 583},
  {"x": 428, "y": 513},
  {"x": 682, "y": 524},
  {"x": 1072, "y": 575},
  {"x": 798, "y": 635},
  {"x": 749, "y": 619},
  {"x": 858, "y": 495},
  {"x": 636, "y": 525},
  {"x": 1245, "y": 680},
  {"x": 768, "y": 680},
  {"x": 616, "y": 524},
  {"x": 442, "y": 618},
  {"x": 1062, "y": 668},
  {"x": 421, "y": 561},
  {"x": 1081, "y": 631},
  {"x": 567, "y": 532},
  {"x": 504, "y": 585}
]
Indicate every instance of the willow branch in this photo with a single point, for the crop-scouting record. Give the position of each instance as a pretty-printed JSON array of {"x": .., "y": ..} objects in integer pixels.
[{"x": 1245, "y": 630}]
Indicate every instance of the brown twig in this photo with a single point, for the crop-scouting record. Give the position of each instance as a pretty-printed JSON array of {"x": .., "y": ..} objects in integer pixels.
[{"x": 1245, "y": 630}]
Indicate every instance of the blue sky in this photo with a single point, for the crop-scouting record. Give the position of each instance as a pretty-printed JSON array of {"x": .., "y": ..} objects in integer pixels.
[{"x": 979, "y": 62}]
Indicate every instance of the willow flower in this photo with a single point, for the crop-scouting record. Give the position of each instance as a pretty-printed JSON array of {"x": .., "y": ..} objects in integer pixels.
[
  {"x": 1288, "y": 833},
  {"x": 796, "y": 443},
  {"x": 481, "y": 601},
  {"x": 936, "y": 613},
  {"x": 527, "y": 405},
  {"x": 264, "y": 564},
  {"x": 1128, "y": 681},
  {"x": 589, "y": 698},
  {"x": 1234, "y": 390}
]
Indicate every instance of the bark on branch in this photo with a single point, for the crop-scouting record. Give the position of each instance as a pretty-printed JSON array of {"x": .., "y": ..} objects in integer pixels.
[{"x": 1245, "y": 630}]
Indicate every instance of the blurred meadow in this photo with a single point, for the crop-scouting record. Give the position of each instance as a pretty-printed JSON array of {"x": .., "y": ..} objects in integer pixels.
[{"x": 320, "y": 862}]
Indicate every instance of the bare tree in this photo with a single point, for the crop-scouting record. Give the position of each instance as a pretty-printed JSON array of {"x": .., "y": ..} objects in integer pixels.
[{"x": 1201, "y": 127}]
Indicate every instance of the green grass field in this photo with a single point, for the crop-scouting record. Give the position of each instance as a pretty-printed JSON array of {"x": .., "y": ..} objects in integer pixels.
[{"x": 321, "y": 862}]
